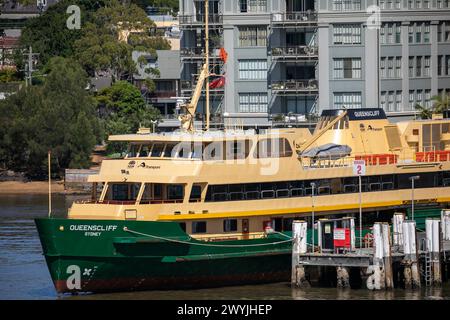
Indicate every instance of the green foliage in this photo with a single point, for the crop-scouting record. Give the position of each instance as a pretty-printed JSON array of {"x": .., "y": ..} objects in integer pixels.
[
  {"x": 8, "y": 75},
  {"x": 57, "y": 116},
  {"x": 441, "y": 103},
  {"x": 114, "y": 32},
  {"x": 424, "y": 113},
  {"x": 124, "y": 110}
]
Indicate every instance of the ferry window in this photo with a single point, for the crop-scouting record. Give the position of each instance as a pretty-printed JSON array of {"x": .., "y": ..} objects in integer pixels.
[
  {"x": 214, "y": 151},
  {"x": 157, "y": 191},
  {"x": 168, "y": 150},
  {"x": 125, "y": 191},
  {"x": 157, "y": 150},
  {"x": 183, "y": 150},
  {"x": 198, "y": 226},
  {"x": 120, "y": 192},
  {"x": 183, "y": 226},
  {"x": 145, "y": 150},
  {"x": 175, "y": 192},
  {"x": 229, "y": 225},
  {"x": 132, "y": 150},
  {"x": 273, "y": 148},
  {"x": 197, "y": 151},
  {"x": 237, "y": 149},
  {"x": 196, "y": 193}
]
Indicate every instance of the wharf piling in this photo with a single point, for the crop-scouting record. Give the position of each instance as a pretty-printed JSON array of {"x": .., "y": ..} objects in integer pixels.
[{"x": 395, "y": 260}]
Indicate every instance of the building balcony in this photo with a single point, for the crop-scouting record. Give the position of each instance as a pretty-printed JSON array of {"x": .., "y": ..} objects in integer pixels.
[
  {"x": 197, "y": 53},
  {"x": 187, "y": 85},
  {"x": 159, "y": 95},
  {"x": 301, "y": 18},
  {"x": 304, "y": 86},
  {"x": 198, "y": 20},
  {"x": 295, "y": 53}
]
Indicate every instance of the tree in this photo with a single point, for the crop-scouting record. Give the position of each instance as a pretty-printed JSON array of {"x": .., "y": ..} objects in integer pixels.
[
  {"x": 109, "y": 39},
  {"x": 441, "y": 103},
  {"x": 48, "y": 33},
  {"x": 57, "y": 116},
  {"x": 424, "y": 112},
  {"x": 123, "y": 110}
]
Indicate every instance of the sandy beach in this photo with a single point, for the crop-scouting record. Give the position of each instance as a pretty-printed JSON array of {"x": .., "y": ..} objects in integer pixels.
[{"x": 34, "y": 187}]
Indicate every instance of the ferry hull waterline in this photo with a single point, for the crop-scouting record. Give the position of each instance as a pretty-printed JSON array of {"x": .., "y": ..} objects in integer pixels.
[{"x": 111, "y": 255}]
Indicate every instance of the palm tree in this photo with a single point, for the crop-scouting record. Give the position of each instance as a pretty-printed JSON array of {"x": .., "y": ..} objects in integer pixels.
[
  {"x": 424, "y": 112},
  {"x": 441, "y": 103}
]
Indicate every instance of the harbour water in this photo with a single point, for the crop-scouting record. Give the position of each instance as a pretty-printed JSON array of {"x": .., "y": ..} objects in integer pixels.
[{"x": 24, "y": 274}]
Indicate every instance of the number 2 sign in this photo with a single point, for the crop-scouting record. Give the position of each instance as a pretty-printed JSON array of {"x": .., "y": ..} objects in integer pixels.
[{"x": 359, "y": 167}]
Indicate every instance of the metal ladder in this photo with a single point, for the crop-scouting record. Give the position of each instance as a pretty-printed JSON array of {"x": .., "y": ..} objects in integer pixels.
[{"x": 428, "y": 261}]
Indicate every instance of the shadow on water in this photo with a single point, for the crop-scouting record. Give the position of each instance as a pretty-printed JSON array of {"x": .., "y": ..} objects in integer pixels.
[{"x": 24, "y": 274}]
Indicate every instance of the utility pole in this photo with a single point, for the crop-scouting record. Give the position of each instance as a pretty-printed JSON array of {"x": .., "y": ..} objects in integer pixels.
[{"x": 29, "y": 66}]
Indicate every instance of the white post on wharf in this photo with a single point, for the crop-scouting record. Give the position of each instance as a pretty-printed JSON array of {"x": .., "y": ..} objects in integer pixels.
[{"x": 299, "y": 246}]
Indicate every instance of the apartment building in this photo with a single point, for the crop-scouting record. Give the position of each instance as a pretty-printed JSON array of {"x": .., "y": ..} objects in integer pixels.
[{"x": 289, "y": 58}]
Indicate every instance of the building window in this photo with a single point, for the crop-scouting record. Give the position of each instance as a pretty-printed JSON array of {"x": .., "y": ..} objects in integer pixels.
[
  {"x": 347, "y": 34},
  {"x": 398, "y": 4},
  {"x": 252, "y": 69},
  {"x": 347, "y": 99},
  {"x": 243, "y": 5},
  {"x": 411, "y": 99},
  {"x": 253, "y": 36},
  {"x": 410, "y": 34},
  {"x": 426, "y": 4},
  {"x": 428, "y": 98},
  {"x": 347, "y": 68},
  {"x": 390, "y": 33},
  {"x": 447, "y": 66},
  {"x": 418, "y": 32},
  {"x": 383, "y": 67},
  {"x": 383, "y": 100},
  {"x": 198, "y": 226},
  {"x": 411, "y": 66},
  {"x": 253, "y": 102},
  {"x": 390, "y": 67},
  {"x": 426, "y": 34},
  {"x": 418, "y": 66},
  {"x": 230, "y": 225},
  {"x": 346, "y": 5},
  {"x": 398, "y": 101},
  {"x": 252, "y": 5},
  {"x": 419, "y": 97},
  {"x": 440, "y": 64},
  {"x": 398, "y": 67},
  {"x": 426, "y": 71},
  {"x": 391, "y": 101}
]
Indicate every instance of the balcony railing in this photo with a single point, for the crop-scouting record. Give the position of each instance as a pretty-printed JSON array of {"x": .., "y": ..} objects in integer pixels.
[
  {"x": 300, "y": 17},
  {"x": 296, "y": 52},
  {"x": 162, "y": 94},
  {"x": 197, "y": 53},
  {"x": 309, "y": 86},
  {"x": 197, "y": 19},
  {"x": 187, "y": 85}
]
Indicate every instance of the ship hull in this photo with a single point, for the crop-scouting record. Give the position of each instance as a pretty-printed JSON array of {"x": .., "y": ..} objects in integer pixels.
[{"x": 100, "y": 256}]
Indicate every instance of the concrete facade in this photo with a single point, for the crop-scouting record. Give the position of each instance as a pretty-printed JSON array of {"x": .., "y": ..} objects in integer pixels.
[{"x": 319, "y": 55}]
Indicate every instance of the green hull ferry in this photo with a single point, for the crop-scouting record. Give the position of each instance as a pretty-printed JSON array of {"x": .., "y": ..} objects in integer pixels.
[{"x": 114, "y": 255}]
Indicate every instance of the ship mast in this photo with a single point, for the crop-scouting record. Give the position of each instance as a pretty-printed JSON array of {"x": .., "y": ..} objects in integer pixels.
[{"x": 207, "y": 61}]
